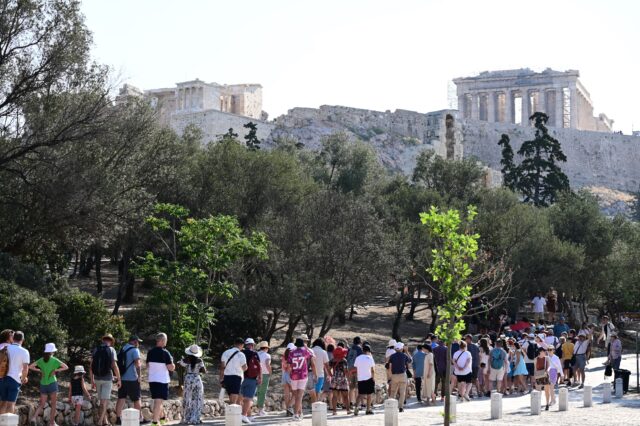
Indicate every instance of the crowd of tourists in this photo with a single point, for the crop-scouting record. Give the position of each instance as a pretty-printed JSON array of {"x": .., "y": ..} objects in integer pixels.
[{"x": 513, "y": 360}]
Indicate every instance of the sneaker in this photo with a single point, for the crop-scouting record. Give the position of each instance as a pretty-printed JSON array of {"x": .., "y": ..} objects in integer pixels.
[
  {"x": 466, "y": 397},
  {"x": 369, "y": 412},
  {"x": 118, "y": 421},
  {"x": 261, "y": 413},
  {"x": 356, "y": 410},
  {"x": 163, "y": 421},
  {"x": 246, "y": 420},
  {"x": 401, "y": 409},
  {"x": 581, "y": 386},
  {"x": 289, "y": 412}
]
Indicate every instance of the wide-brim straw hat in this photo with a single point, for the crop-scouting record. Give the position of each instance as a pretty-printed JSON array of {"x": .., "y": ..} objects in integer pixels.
[
  {"x": 194, "y": 350},
  {"x": 263, "y": 344},
  {"x": 108, "y": 336}
]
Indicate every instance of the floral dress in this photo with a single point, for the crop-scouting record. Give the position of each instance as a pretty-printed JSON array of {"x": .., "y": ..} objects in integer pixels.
[
  {"x": 340, "y": 381},
  {"x": 193, "y": 400}
]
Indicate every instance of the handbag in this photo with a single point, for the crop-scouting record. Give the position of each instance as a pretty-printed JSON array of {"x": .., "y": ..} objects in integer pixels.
[{"x": 608, "y": 370}]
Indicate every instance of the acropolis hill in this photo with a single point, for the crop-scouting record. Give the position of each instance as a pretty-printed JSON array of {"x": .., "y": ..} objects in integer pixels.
[{"x": 489, "y": 104}]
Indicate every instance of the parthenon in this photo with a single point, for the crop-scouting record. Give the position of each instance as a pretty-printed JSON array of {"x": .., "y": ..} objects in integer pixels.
[{"x": 511, "y": 96}]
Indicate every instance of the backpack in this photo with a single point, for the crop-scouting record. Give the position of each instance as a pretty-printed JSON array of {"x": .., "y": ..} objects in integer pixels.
[
  {"x": 351, "y": 357},
  {"x": 253, "y": 365},
  {"x": 532, "y": 350},
  {"x": 497, "y": 362},
  {"x": 122, "y": 360},
  {"x": 101, "y": 362},
  {"x": 4, "y": 361}
]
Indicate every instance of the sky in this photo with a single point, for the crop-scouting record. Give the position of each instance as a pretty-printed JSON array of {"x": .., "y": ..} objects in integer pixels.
[{"x": 381, "y": 55}]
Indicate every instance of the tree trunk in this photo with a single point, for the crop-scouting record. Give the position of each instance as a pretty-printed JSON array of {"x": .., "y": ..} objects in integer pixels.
[
  {"x": 291, "y": 329},
  {"x": 352, "y": 312},
  {"x": 414, "y": 304},
  {"x": 75, "y": 264},
  {"x": 447, "y": 386},
  {"x": 395, "y": 331},
  {"x": 326, "y": 325},
  {"x": 98, "y": 263}
]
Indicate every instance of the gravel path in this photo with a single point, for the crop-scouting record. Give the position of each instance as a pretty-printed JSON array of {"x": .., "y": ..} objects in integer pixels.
[{"x": 516, "y": 410}]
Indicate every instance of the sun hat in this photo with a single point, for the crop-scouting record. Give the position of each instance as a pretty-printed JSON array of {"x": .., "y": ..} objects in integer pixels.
[
  {"x": 531, "y": 336},
  {"x": 50, "y": 348},
  {"x": 78, "y": 369},
  {"x": 108, "y": 336},
  {"x": 194, "y": 350},
  {"x": 291, "y": 346},
  {"x": 339, "y": 353},
  {"x": 249, "y": 341},
  {"x": 399, "y": 346},
  {"x": 391, "y": 343},
  {"x": 263, "y": 344}
]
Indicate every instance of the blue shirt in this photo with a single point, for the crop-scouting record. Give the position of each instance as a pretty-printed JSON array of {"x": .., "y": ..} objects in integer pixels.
[
  {"x": 399, "y": 362},
  {"x": 418, "y": 363},
  {"x": 131, "y": 374},
  {"x": 558, "y": 329}
]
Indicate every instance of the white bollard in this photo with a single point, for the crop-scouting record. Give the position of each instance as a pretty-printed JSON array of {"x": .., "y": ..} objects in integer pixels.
[
  {"x": 619, "y": 388},
  {"x": 588, "y": 396},
  {"x": 9, "y": 419},
  {"x": 319, "y": 414},
  {"x": 130, "y": 417},
  {"x": 452, "y": 409},
  {"x": 233, "y": 415},
  {"x": 391, "y": 412},
  {"x": 535, "y": 402},
  {"x": 563, "y": 397},
  {"x": 606, "y": 393},
  {"x": 496, "y": 406}
]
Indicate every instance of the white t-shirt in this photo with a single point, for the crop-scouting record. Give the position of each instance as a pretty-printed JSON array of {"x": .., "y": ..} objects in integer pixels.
[
  {"x": 554, "y": 362},
  {"x": 234, "y": 366},
  {"x": 18, "y": 357},
  {"x": 363, "y": 365},
  {"x": 459, "y": 363},
  {"x": 265, "y": 359},
  {"x": 551, "y": 340},
  {"x": 320, "y": 359},
  {"x": 388, "y": 353},
  {"x": 539, "y": 304}
]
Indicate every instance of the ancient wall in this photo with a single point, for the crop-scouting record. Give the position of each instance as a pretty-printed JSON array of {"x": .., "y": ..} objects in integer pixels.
[
  {"x": 593, "y": 158},
  {"x": 214, "y": 123}
]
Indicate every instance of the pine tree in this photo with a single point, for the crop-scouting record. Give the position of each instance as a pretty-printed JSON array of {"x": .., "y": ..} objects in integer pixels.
[
  {"x": 253, "y": 143},
  {"x": 509, "y": 169}
]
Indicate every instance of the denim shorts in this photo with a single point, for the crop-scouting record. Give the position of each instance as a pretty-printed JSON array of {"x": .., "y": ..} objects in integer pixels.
[
  {"x": 9, "y": 389},
  {"x": 49, "y": 389},
  {"x": 248, "y": 388}
]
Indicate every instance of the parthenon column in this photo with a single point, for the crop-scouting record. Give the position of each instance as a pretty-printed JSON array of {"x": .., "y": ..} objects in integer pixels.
[
  {"x": 508, "y": 106},
  {"x": 475, "y": 102},
  {"x": 526, "y": 103},
  {"x": 559, "y": 107},
  {"x": 573, "y": 93},
  {"x": 461, "y": 105},
  {"x": 491, "y": 107},
  {"x": 542, "y": 100}
]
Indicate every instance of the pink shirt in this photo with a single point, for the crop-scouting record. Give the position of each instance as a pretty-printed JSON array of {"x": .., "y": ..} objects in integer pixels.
[{"x": 298, "y": 360}]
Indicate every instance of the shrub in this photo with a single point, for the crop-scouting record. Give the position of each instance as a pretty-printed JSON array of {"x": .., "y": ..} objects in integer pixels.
[
  {"x": 24, "y": 275},
  {"x": 24, "y": 309}
]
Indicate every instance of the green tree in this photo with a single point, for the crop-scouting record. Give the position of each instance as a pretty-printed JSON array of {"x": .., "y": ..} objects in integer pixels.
[
  {"x": 251, "y": 138},
  {"x": 456, "y": 248},
  {"x": 538, "y": 177}
]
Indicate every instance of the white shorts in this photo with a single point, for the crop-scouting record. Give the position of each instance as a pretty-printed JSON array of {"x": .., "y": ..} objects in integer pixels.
[
  {"x": 77, "y": 399},
  {"x": 496, "y": 374},
  {"x": 299, "y": 384}
]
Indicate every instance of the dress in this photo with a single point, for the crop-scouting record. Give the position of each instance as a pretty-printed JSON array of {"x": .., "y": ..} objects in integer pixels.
[
  {"x": 521, "y": 368},
  {"x": 340, "y": 381},
  {"x": 193, "y": 400},
  {"x": 428, "y": 383}
]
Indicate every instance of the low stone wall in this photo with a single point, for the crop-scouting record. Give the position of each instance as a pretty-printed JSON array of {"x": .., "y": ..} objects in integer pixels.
[{"x": 173, "y": 409}]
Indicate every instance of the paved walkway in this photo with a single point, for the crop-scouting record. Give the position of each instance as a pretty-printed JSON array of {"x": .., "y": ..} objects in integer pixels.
[{"x": 516, "y": 409}]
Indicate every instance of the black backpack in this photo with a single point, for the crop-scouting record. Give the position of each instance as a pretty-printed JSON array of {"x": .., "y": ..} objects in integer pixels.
[
  {"x": 532, "y": 350},
  {"x": 101, "y": 362},
  {"x": 122, "y": 360}
]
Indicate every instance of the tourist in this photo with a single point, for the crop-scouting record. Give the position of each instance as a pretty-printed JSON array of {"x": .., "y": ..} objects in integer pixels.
[
  {"x": 286, "y": 381},
  {"x": 520, "y": 371},
  {"x": 340, "y": 379},
  {"x": 265, "y": 367},
  {"x": 541, "y": 375},
  {"x": 252, "y": 378},
  {"x": 483, "y": 373},
  {"x": 552, "y": 304},
  {"x": 6, "y": 338},
  {"x": 159, "y": 365},
  {"x": 530, "y": 350},
  {"x": 550, "y": 339},
  {"x": 555, "y": 370},
  {"x": 418, "y": 370},
  {"x": 607, "y": 328},
  {"x": 103, "y": 368},
  {"x": 462, "y": 369},
  {"x": 130, "y": 368},
  {"x": 354, "y": 352},
  {"x": 77, "y": 392},
  {"x": 615, "y": 354},
  {"x": 193, "y": 398},
  {"x": 497, "y": 366},
  {"x": 567, "y": 354},
  {"x": 391, "y": 349},
  {"x": 298, "y": 362},
  {"x": 48, "y": 366},
  {"x": 321, "y": 359},
  {"x": 232, "y": 367},
  {"x": 399, "y": 362},
  {"x": 560, "y": 327},
  {"x": 365, "y": 369},
  {"x": 440, "y": 361},
  {"x": 429, "y": 375},
  {"x": 538, "y": 303},
  {"x": 506, "y": 382},
  {"x": 474, "y": 350},
  {"x": 580, "y": 360},
  {"x": 17, "y": 372}
]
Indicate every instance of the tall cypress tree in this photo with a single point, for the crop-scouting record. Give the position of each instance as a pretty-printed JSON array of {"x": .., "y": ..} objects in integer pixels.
[{"x": 538, "y": 177}]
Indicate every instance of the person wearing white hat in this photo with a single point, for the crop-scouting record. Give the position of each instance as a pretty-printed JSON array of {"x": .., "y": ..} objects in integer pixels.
[
  {"x": 48, "y": 366},
  {"x": 391, "y": 349},
  {"x": 77, "y": 392},
  {"x": 286, "y": 380},
  {"x": 252, "y": 379},
  {"x": 399, "y": 362},
  {"x": 615, "y": 353},
  {"x": 193, "y": 398},
  {"x": 265, "y": 366}
]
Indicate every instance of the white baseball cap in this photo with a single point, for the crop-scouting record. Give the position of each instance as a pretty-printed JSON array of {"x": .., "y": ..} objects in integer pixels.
[
  {"x": 50, "y": 348},
  {"x": 399, "y": 346},
  {"x": 249, "y": 341},
  {"x": 291, "y": 347}
]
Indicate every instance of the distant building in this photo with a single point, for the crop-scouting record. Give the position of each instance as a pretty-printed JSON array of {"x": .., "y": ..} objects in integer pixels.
[{"x": 511, "y": 96}]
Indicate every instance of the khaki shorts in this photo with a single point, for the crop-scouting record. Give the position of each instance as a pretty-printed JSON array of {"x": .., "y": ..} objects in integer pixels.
[
  {"x": 103, "y": 389},
  {"x": 496, "y": 374}
]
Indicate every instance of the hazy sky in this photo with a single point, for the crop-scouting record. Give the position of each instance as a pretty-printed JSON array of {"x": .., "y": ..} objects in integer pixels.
[{"x": 370, "y": 54}]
